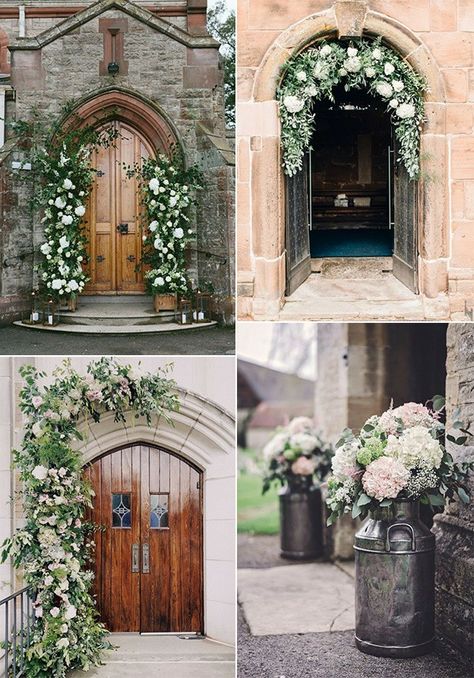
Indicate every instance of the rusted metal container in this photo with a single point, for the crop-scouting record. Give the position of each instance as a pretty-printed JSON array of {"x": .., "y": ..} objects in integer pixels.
[
  {"x": 395, "y": 563},
  {"x": 301, "y": 532}
]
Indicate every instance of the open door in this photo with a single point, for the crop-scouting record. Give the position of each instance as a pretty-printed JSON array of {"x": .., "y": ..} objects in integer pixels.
[
  {"x": 405, "y": 246},
  {"x": 298, "y": 257}
]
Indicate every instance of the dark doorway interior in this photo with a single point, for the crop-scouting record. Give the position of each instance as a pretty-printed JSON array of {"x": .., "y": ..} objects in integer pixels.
[{"x": 351, "y": 178}]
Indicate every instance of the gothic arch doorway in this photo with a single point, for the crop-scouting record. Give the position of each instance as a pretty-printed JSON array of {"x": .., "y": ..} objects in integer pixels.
[{"x": 149, "y": 554}]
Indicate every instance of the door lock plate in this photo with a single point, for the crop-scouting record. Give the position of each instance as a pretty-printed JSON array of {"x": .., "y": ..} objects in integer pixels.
[
  {"x": 146, "y": 558},
  {"x": 122, "y": 229},
  {"x": 135, "y": 558}
]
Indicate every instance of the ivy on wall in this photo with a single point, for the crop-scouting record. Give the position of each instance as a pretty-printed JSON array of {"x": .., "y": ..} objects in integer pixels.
[
  {"x": 312, "y": 76},
  {"x": 54, "y": 547}
]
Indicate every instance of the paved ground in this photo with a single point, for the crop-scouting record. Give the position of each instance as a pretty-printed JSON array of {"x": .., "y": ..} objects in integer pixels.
[
  {"x": 375, "y": 296},
  {"x": 22, "y": 341},
  {"x": 320, "y": 654},
  {"x": 164, "y": 657}
]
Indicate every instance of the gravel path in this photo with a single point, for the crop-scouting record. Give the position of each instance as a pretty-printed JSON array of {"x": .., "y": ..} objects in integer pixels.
[{"x": 20, "y": 341}]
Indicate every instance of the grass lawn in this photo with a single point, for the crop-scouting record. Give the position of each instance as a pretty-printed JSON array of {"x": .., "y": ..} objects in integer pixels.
[{"x": 256, "y": 513}]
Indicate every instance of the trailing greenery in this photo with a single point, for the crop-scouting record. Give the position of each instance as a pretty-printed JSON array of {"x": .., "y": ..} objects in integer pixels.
[
  {"x": 169, "y": 191},
  {"x": 62, "y": 177},
  {"x": 221, "y": 25},
  {"x": 362, "y": 64},
  {"x": 400, "y": 454},
  {"x": 54, "y": 547}
]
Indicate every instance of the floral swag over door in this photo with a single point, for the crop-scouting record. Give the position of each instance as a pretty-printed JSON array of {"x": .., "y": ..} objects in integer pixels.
[
  {"x": 364, "y": 64},
  {"x": 55, "y": 546}
]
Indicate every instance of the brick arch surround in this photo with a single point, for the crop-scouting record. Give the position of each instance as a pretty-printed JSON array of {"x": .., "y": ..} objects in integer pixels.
[
  {"x": 128, "y": 107},
  {"x": 265, "y": 264}
]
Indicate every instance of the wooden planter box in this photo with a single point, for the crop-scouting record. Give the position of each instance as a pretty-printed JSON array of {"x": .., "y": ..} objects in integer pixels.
[{"x": 165, "y": 302}]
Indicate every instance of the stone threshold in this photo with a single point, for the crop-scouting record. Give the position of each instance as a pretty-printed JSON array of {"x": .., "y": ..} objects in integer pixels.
[{"x": 117, "y": 329}]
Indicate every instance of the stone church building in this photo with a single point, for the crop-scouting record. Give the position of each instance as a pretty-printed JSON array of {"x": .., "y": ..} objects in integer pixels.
[
  {"x": 164, "y": 90},
  {"x": 304, "y": 249}
]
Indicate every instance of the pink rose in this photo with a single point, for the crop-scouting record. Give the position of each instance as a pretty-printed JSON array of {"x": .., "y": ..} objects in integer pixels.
[
  {"x": 303, "y": 466},
  {"x": 37, "y": 401}
]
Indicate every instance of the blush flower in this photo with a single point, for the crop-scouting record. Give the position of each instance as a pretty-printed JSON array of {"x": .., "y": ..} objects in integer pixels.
[
  {"x": 303, "y": 466},
  {"x": 384, "y": 478}
]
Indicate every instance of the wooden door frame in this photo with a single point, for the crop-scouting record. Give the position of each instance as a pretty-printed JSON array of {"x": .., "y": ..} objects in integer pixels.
[{"x": 198, "y": 469}]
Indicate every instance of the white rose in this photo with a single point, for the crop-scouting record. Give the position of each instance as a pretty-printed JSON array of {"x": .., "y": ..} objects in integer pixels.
[
  {"x": 384, "y": 89},
  {"x": 60, "y": 203},
  {"x": 154, "y": 185},
  {"x": 158, "y": 243},
  {"x": 80, "y": 211},
  {"x": 153, "y": 226},
  {"x": 320, "y": 70},
  {"x": 406, "y": 111},
  {"x": 393, "y": 103},
  {"x": 293, "y": 104},
  {"x": 45, "y": 248},
  {"x": 325, "y": 49},
  {"x": 311, "y": 90},
  {"x": 62, "y": 643},
  {"x": 56, "y": 284},
  {"x": 173, "y": 201},
  {"x": 39, "y": 472},
  {"x": 63, "y": 242},
  {"x": 67, "y": 220},
  {"x": 67, "y": 184},
  {"x": 397, "y": 85},
  {"x": 73, "y": 285},
  {"x": 81, "y": 193},
  {"x": 388, "y": 68},
  {"x": 342, "y": 71},
  {"x": 159, "y": 281},
  {"x": 178, "y": 232},
  {"x": 54, "y": 612},
  {"x": 352, "y": 51},
  {"x": 301, "y": 76},
  {"x": 70, "y": 612},
  {"x": 370, "y": 72},
  {"x": 377, "y": 54}
]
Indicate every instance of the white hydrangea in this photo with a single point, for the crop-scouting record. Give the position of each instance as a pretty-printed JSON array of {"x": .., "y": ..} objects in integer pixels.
[
  {"x": 344, "y": 462},
  {"x": 39, "y": 472},
  {"x": 275, "y": 446},
  {"x": 293, "y": 104},
  {"x": 56, "y": 284},
  {"x": 73, "y": 285},
  {"x": 159, "y": 281},
  {"x": 303, "y": 442},
  {"x": 415, "y": 448},
  {"x": 66, "y": 219}
]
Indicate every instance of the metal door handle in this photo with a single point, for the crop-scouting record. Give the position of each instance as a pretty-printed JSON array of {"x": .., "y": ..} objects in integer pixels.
[
  {"x": 131, "y": 257},
  {"x": 409, "y": 527},
  {"x": 100, "y": 258},
  {"x": 145, "y": 558},
  {"x": 135, "y": 558},
  {"x": 122, "y": 229}
]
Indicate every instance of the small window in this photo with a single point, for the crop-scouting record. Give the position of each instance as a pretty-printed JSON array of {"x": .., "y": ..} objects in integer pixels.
[
  {"x": 121, "y": 511},
  {"x": 159, "y": 511}
]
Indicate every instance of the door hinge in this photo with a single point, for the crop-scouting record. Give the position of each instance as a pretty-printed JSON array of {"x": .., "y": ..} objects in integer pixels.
[{"x": 198, "y": 485}]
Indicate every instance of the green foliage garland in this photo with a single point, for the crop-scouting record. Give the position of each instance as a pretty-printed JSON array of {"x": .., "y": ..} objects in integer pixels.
[
  {"x": 54, "y": 546},
  {"x": 364, "y": 64}
]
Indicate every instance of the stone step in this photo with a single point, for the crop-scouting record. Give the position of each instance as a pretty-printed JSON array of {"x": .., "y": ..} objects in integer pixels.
[{"x": 153, "y": 328}]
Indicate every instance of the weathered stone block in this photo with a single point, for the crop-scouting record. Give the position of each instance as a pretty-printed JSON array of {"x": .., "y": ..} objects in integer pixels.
[
  {"x": 350, "y": 17},
  {"x": 442, "y": 15},
  {"x": 459, "y": 118},
  {"x": 462, "y": 158},
  {"x": 451, "y": 49},
  {"x": 456, "y": 82},
  {"x": 414, "y": 15},
  {"x": 465, "y": 15}
]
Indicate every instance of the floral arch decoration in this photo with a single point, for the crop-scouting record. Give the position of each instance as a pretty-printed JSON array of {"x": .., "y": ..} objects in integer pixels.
[
  {"x": 313, "y": 74},
  {"x": 55, "y": 547}
]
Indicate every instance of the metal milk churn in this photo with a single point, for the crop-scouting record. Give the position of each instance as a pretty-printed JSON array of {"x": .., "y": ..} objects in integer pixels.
[
  {"x": 301, "y": 533},
  {"x": 395, "y": 563}
]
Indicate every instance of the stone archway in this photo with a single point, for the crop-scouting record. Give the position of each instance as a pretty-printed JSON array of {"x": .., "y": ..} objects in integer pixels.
[
  {"x": 203, "y": 434},
  {"x": 261, "y": 124}
]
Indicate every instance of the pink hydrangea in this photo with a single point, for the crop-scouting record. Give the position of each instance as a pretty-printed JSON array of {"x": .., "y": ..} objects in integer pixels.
[
  {"x": 303, "y": 466},
  {"x": 410, "y": 414},
  {"x": 384, "y": 478}
]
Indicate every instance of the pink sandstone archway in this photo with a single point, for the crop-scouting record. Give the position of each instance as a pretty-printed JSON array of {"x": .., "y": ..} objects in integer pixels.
[{"x": 260, "y": 122}]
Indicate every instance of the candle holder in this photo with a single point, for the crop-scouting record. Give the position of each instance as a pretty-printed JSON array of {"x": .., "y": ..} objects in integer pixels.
[
  {"x": 51, "y": 314},
  {"x": 185, "y": 312},
  {"x": 34, "y": 315},
  {"x": 202, "y": 312}
]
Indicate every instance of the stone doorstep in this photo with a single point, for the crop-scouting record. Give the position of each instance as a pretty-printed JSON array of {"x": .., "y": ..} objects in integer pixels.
[
  {"x": 118, "y": 329},
  {"x": 297, "y": 599}
]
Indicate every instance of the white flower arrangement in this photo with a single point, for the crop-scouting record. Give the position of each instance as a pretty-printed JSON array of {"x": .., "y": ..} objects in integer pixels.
[
  {"x": 314, "y": 73},
  {"x": 167, "y": 200},
  {"x": 398, "y": 455}
]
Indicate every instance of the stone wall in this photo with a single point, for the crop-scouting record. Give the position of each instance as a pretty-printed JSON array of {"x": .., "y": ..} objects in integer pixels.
[
  {"x": 454, "y": 528},
  {"x": 178, "y": 73},
  {"x": 436, "y": 37}
]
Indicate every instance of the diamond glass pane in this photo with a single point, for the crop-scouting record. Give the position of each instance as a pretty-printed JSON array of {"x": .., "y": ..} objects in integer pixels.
[
  {"x": 158, "y": 511},
  {"x": 121, "y": 511}
]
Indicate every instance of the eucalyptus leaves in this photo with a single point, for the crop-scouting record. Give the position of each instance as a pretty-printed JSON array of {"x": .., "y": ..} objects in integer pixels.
[
  {"x": 54, "y": 546},
  {"x": 364, "y": 64}
]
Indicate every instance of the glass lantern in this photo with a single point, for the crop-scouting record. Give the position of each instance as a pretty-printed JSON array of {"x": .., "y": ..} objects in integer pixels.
[
  {"x": 51, "y": 314},
  {"x": 203, "y": 307},
  {"x": 185, "y": 312},
  {"x": 34, "y": 315}
]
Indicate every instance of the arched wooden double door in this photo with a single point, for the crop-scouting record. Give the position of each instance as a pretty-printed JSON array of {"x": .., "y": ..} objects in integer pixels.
[
  {"x": 149, "y": 555},
  {"x": 114, "y": 238}
]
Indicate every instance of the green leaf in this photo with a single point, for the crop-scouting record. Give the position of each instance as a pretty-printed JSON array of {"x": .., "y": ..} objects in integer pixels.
[
  {"x": 438, "y": 403},
  {"x": 356, "y": 511},
  {"x": 368, "y": 427},
  {"x": 436, "y": 500},
  {"x": 364, "y": 499},
  {"x": 463, "y": 495},
  {"x": 386, "y": 502}
]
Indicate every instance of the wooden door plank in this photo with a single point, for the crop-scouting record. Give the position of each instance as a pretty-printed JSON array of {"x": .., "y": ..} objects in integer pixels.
[
  {"x": 185, "y": 547},
  {"x": 175, "y": 544},
  {"x": 195, "y": 527}
]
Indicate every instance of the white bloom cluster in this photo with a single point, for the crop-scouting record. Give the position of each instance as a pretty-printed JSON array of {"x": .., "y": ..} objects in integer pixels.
[
  {"x": 275, "y": 446},
  {"x": 344, "y": 462},
  {"x": 421, "y": 479},
  {"x": 415, "y": 447}
]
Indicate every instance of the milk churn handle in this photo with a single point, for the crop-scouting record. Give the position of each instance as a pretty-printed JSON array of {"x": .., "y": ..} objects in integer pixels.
[{"x": 387, "y": 541}]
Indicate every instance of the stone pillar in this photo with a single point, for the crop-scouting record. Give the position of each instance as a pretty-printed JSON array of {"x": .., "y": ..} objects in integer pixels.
[
  {"x": 454, "y": 528},
  {"x": 6, "y": 398}
]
